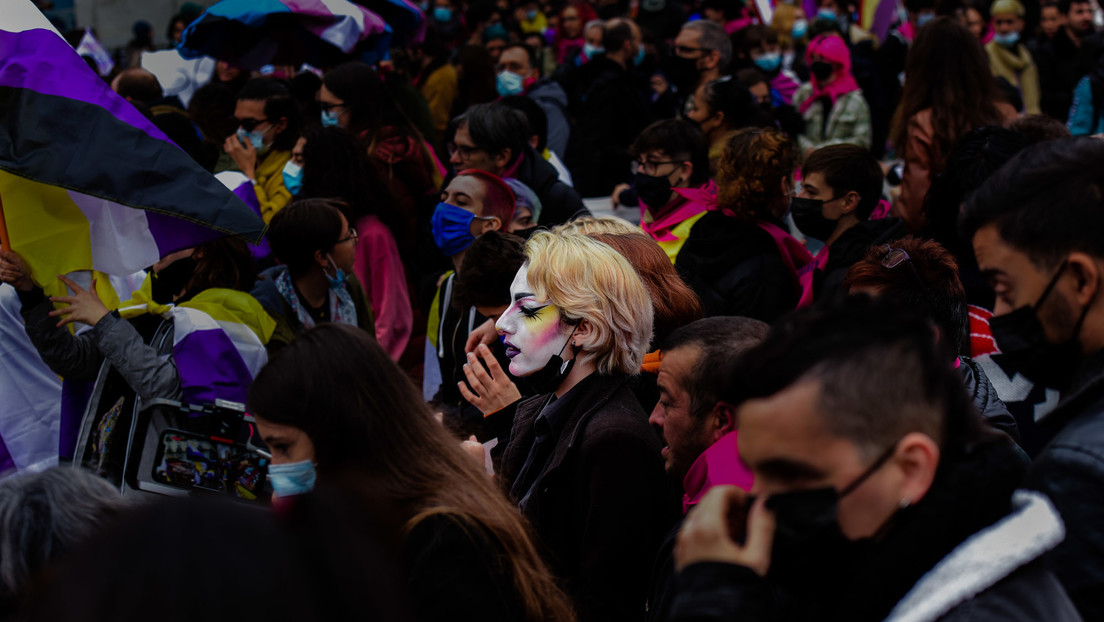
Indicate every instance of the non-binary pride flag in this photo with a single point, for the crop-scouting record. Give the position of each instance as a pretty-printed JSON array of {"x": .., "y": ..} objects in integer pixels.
[{"x": 86, "y": 181}]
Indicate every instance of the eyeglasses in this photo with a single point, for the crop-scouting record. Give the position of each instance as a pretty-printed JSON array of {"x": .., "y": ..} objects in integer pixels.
[
  {"x": 464, "y": 150},
  {"x": 352, "y": 237},
  {"x": 652, "y": 168},
  {"x": 683, "y": 50},
  {"x": 894, "y": 257},
  {"x": 328, "y": 107},
  {"x": 249, "y": 124}
]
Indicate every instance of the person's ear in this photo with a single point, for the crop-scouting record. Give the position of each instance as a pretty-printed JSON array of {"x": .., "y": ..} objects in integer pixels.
[
  {"x": 584, "y": 332},
  {"x": 686, "y": 171},
  {"x": 502, "y": 158},
  {"x": 850, "y": 203},
  {"x": 280, "y": 126},
  {"x": 489, "y": 224},
  {"x": 720, "y": 117},
  {"x": 322, "y": 259},
  {"x": 722, "y": 420},
  {"x": 712, "y": 59},
  {"x": 1086, "y": 271},
  {"x": 917, "y": 459},
  {"x": 534, "y": 140}
]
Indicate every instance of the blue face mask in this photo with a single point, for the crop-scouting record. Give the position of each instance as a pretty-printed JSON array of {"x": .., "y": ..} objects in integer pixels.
[
  {"x": 442, "y": 14},
  {"x": 800, "y": 29},
  {"x": 255, "y": 138},
  {"x": 291, "y": 479},
  {"x": 338, "y": 278},
  {"x": 531, "y": 15},
  {"x": 639, "y": 58},
  {"x": 826, "y": 14},
  {"x": 924, "y": 19},
  {"x": 509, "y": 83},
  {"x": 293, "y": 177},
  {"x": 590, "y": 51},
  {"x": 769, "y": 62},
  {"x": 1009, "y": 40},
  {"x": 452, "y": 229},
  {"x": 495, "y": 31},
  {"x": 329, "y": 118}
]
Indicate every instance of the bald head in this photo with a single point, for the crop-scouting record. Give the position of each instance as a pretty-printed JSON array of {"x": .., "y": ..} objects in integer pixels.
[
  {"x": 138, "y": 85},
  {"x": 621, "y": 40}
]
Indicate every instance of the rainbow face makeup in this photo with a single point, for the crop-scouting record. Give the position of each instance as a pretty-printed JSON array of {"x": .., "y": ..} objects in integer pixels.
[{"x": 531, "y": 328}]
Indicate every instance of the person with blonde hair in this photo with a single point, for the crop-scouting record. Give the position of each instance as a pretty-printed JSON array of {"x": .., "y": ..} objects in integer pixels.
[{"x": 582, "y": 463}]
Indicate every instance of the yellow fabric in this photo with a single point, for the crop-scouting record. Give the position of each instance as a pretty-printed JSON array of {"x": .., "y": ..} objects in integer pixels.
[
  {"x": 440, "y": 91},
  {"x": 680, "y": 231},
  {"x": 1019, "y": 69},
  {"x": 434, "y": 322},
  {"x": 269, "y": 186},
  {"x": 223, "y": 305}
]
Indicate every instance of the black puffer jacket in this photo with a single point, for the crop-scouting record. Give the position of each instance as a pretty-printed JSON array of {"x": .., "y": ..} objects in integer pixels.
[
  {"x": 559, "y": 201},
  {"x": 985, "y": 398}
]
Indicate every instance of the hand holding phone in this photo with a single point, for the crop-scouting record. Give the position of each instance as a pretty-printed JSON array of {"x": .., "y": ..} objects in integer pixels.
[{"x": 715, "y": 531}]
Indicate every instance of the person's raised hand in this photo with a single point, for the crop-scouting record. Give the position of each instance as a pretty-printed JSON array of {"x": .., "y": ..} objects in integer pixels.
[
  {"x": 615, "y": 196},
  {"x": 14, "y": 271},
  {"x": 659, "y": 84},
  {"x": 484, "y": 334},
  {"x": 474, "y": 448},
  {"x": 707, "y": 534},
  {"x": 84, "y": 305},
  {"x": 491, "y": 389},
  {"x": 243, "y": 154}
]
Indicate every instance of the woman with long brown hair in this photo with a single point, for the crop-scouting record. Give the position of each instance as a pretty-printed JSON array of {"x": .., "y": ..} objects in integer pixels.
[
  {"x": 332, "y": 404},
  {"x": 949, "y": 90}
]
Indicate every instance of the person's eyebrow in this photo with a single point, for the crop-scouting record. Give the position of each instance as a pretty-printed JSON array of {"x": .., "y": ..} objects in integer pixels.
[
  {"x": 788, "y": 470},
  {"x": 523, "y": 295},
  {"x": 992, "y": 272}
]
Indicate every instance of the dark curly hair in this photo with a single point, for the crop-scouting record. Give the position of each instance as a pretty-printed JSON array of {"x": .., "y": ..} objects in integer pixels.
[{"x": 755, "y": 162}]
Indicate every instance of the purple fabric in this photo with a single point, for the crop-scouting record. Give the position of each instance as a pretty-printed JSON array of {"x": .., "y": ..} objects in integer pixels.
[
  {"x": 373, "y": 24},
  {"x": 173, "y": 234},
  {"x": 74, "y": 401},
  {"x": 884, "y": 16},
  {"x": 248, "y": 195},
  {"x": 41, "y": 61},
  {"x": 6, "y": 461},
  {"x": 210, "y": 368}
]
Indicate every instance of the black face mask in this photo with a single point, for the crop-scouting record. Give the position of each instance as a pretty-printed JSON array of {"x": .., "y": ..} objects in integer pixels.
[
  {"x": 172, "y": 279},
  {"x": 654, "y": 192},
  {"x": 1022, "y": 340},
  {"x": 548, "y": 378},
  {"x": 808, "y": 215},
  {"x": 682, "y": 72},
  {"x": 809, "y": 545},
  {"x": 821, "y": 71}
]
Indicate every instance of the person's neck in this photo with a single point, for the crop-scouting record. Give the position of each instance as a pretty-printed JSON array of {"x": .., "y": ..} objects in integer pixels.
[
  {"x": 709, "y": 75},
  {"x": 1092, "y": 330},
  {"x": 313, "y": 287},
  {"x": 845, "y": 223},
  {"x": 620, "y": 58},
  {"x": 583, "y": 367},
  {"x": 457, "y": 259},
  {"x": 1073, "y": 36}
]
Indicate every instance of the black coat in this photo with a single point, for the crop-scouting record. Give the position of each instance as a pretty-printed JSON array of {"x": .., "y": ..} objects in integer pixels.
[
  {"x": 735, "y": 269},
  {"x": 1070, "y": 471},
  {"x": 600, "y": 504},
  {"x": 851, "y": 247},
  {"x": 559, "y": 201}
]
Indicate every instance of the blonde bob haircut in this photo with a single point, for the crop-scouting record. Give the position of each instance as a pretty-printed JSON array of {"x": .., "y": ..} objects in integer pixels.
[
  {"x": 589, "y": 281},
  {"x": 590, "y": 225}
]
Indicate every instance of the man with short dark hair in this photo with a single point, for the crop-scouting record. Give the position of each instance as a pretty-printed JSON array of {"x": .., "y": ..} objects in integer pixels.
[
  {"x": 1047, "y": 270},
  {"x": 878, "y": 495},
  {"x": 697, "y": 425},
  {"x": 840, "y": 188},
  {"x": 142, "y": 89},
  {"x": 519, "y": 74},
  {"x": 495, "y": 138}
]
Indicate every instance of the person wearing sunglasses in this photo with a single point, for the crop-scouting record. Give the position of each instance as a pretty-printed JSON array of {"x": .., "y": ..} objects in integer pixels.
[
  {"x": 268, "y": 126},
  {"x": 315, "y": 283}
]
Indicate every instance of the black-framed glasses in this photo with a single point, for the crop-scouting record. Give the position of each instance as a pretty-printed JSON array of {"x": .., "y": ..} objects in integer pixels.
[
  {"x": 464, "y": 150},
  {"x": 352, "y": 237},
  {"x": 894, "y": 257},
  {"x": 651, "y": 168},
  {"x": 683, "y": 50},
  {"x": 249, "y": 124},
  {"x": 328, "y": 107}
]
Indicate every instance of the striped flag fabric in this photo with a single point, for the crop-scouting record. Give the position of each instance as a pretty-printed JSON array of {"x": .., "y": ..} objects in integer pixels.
[{"x": 86, "y": 181}]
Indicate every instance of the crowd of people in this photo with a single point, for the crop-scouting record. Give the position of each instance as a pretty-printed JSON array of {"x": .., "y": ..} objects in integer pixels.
[{"x": 837, "y": 355}]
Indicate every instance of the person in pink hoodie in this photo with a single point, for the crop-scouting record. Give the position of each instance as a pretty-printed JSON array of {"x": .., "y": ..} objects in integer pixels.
[{"x": 697, "y": 424}]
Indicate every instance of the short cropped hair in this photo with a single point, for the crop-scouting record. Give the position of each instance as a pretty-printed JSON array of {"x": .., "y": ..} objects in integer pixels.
[
  {"x": 278, "y": 104},
  {"x": 1021, "y": 197},
  {"x": 301, "y": 228},
  {"x": 849, "y": 168},
  {"x": 756, "y": 36},
  {"x": 1065, "y": 5},
  {"x": 935, "y": 288},
  {"x": 530, "y": 53},
  {"x": 489, "y": 266},
  {"x": 679, "y": 140},
  {"x": 495, "y": 127},
  {"x": 534, "y": 114},
  {"x": 880, "y": 372},
  {"x": 712, "y": 37},
  {"x": 1038, "y": 128},
  {"x": 617, "y": 32},
  {"x": 588, "y": 280},
  {"x": 721, "y": 342},
  {"x": 139, "y": 85},
  {"x": 498, "y": 199}
]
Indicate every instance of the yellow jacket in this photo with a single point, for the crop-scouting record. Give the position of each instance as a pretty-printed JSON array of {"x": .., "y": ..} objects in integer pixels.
[{"x": 440, "y": 91}]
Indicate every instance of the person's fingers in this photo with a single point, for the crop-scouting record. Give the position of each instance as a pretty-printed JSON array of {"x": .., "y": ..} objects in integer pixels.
[
  {"x": 479, "y": 371},
  {"x": 66, "y": 320},
  {"x": 493, "y": 368},
  {"x": 474, "y": 339},
  {"x": 71, "y": 284},
  {"x": 466, "y": 393},
  {"x": 474, "y": 380},
  {"x": 63, "y": 299},
  {"x": 760, "y": 537}
]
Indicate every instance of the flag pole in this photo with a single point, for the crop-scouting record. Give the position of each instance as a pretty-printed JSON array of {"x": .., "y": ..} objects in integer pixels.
[{"x": 5, "y": 243}]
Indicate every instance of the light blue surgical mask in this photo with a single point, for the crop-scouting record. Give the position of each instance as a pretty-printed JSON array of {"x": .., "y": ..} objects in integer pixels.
[
  {"x": 292, "y": 478},
  {"x": 590, "y": 51},
  {"x": 452, "y": 228},
  {"x": 255, "y": 138},
  {"x": 509, "y": 83},
  {"x": 293, "y": 177},
  {"x": 924, "y": 19},
  {"x": 1009, "y": 40},
  {"x": 442, "y": 14},
  {"x": 769, "y": 62},
  {"x": 338, "y": 278},
  {"x": 639, "y": 58},
  {"x": 800, "y": 29},
  {"x": 826, "y": 14},
  {"x": 329, "y": 118},
  {"x": 531, "y": 15}
]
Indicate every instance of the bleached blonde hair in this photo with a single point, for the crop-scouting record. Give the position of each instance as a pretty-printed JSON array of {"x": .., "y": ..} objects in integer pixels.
[
  {"x": 588, "y": 225},
  {"x": 589, "y": 280}
]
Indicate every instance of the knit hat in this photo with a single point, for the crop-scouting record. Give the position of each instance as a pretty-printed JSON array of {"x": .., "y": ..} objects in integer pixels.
[{"x": 1004, "y": 7}]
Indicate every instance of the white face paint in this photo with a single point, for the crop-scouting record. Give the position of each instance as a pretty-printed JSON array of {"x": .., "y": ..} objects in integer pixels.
[{"x": 531, "y": 328}]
